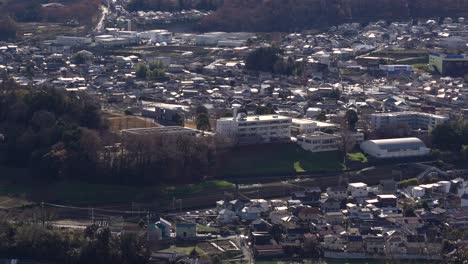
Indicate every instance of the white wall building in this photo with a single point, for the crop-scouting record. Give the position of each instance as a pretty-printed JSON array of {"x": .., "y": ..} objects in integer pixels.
[
  {"x": 358, "y": 189},
  {"x": 318, "y": 142},
  {"x": 417, "y": 191},
  {"x": 111, "y": 41},
  {"x": 307, "y": 126},
  {"x": 72, "y": 41},
  {"x": 395, "y": 148},
  {"x": 156, "y": 35},
  {"x": 255, "y": 129},
  {"x": 413, "y": 120}
]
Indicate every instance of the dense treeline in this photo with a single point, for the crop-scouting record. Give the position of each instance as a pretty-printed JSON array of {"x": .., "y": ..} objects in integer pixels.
[
  {"x": 294, "y": 15},
  {"x": 269, "y": 59},
  {"x": 62, "y": 135},
  {"x": 94, "y": 245},
  {"x": 8, "y": 29},
  {"x": 450, "y": 135},
  {"x": 273, "y": 15},
  {"x": 85, "y": 11},
  {"x": 153, "y": 71},
  {"x": 172, "y": 5}
]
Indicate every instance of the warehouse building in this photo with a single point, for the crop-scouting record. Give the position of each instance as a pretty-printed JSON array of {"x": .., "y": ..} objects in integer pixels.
[{"x": 395, "y": 148}]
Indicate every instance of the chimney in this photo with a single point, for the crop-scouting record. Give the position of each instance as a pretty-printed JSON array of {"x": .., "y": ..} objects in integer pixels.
[
  {"x": 234, "y": 112},
  {"x": 235, "y": 109}
]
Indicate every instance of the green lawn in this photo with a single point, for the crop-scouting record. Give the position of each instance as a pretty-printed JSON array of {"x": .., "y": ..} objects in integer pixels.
[
  {"x": 277, "y": 159},
  {"x": 207, "y": 229},
  {"x": 186, "y": 250},
  {"x": 82, "y": 194},
  {"x": 74, "y": 193},
  {"x": 190, "y": 189},
  {"x": 358, "y": 156}
]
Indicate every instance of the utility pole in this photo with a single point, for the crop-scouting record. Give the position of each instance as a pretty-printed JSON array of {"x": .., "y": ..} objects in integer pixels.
[
  {"x": 147, "y": 225},
  {"x": 42, "y": 214}
]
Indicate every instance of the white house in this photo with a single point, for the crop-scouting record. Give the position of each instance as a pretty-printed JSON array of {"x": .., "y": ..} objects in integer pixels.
[
  {"x": 395, "y": 148},
  {"x": 417, "y": 191},
  {"x": 226, "y": 216},
  {"x": 357, "y": 189},
  {"x": 318, "y": 142},
  {"x": 338, "y": 192}
]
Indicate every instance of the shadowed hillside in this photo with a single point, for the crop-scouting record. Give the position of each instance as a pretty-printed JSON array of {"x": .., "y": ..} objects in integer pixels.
[
  {"x": 84, "y": 11},
  {"x": 288, "y": 15}
]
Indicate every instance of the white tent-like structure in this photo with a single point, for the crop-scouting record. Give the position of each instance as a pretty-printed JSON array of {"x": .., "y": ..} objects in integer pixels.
[{"x": 395, "y": 148}]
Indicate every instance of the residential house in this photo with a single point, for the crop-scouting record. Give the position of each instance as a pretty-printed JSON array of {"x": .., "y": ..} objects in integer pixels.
[
  {"x": 330, "y": 205},
  {"x": 186, "y": 230}
]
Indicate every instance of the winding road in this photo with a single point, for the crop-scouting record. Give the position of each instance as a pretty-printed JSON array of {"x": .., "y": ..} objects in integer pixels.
[{"x": 104, "y": 12}]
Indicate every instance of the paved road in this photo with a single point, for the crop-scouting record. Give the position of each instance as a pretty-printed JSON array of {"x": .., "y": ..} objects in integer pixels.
[{"x": 104, "y": 12}]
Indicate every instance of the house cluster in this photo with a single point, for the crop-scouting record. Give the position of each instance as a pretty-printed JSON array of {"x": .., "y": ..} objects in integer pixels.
[
  {"x": 344, "y": 69},
  {"x": 353, "y": 221}
]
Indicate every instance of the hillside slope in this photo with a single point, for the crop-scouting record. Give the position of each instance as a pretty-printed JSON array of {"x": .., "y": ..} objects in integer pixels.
[{"x": 287, "y": 15}]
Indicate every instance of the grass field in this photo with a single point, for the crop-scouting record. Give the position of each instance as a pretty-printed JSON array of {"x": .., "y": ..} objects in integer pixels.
[
  {"x": 187, "y": 250},
  {"x": 191, "y": 189},
  {"x": 277, "y": 159},
  {"x": 15, "y": 192},
  {"x": 357, "y": 156},
  {"x": 119, "y": 122}
]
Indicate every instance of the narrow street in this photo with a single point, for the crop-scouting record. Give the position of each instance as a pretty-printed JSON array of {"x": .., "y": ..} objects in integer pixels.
[{"x": 102, "y": 20}]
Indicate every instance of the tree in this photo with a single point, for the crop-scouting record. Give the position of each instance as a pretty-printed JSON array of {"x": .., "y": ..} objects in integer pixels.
[
  {"x": 141, "y": 71},
  {"x": 203, "y": 122},
  {"x": 351, "y": 118},
  {"x": 409, "y": 212},
  {"x": 264, "y": 110},
  {"x": 464, "y": 152},
  {"x": 450, "y": 135},
  {"x": 8, "y": 28},
  {"x": 201, "y": 109},
  {"x": 321, "y": 117},
  {"x": 263, "y": 59},
  {"x": 194, "y": 254},
  {"x": 78, "y": 58},
  {"x": 178, "y": 119},
  {"x": 216, "y": 259}
]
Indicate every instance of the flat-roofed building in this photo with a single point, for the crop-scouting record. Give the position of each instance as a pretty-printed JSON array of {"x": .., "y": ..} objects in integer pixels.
[
  {"x": 307, "y": 126},
  {"x": 319, "y": 142},
  {"x": 357, "y": 189},
  {"x": 395, "y": 148},
  {"x": 72, "y": 41},
  {"x": 410, "y": 119},
  {"x": 446, "y": 64},
  {"x": 255, "y": 129}
]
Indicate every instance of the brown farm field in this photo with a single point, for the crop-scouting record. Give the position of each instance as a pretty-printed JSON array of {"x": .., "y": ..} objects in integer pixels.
[{"x": 119, "y": 122}]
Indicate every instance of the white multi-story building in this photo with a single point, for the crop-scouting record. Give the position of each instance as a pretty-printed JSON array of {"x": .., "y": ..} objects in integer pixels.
[
  {"x": 307, "y": 126},
  {"x": 412, "y": 120},
  {"x": 319, "y": 142},
  {"x": 255, "y": 129}
]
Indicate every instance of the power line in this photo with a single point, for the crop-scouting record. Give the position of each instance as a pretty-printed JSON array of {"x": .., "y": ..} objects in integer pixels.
[{"x": 95, "y": 209}]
